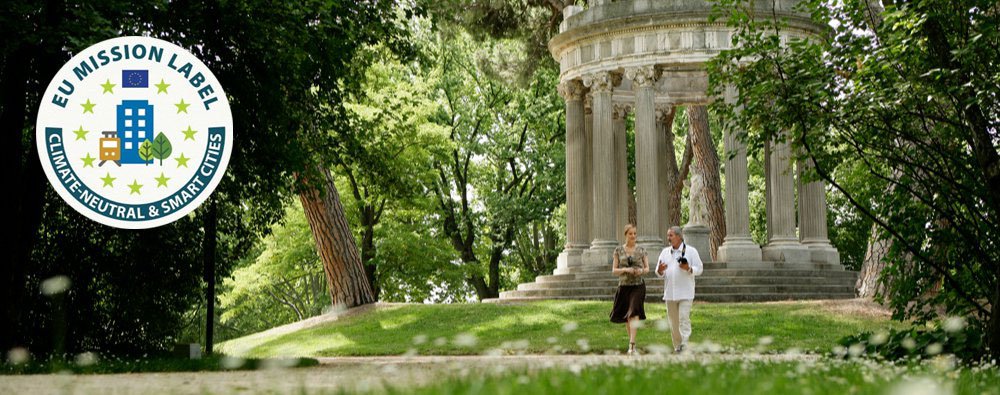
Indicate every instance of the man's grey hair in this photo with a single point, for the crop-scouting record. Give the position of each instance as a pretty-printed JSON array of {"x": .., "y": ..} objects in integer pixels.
[{"x": 677, "y": 231}]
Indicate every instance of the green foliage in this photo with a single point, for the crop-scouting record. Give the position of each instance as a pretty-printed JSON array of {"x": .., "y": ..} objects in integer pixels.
[
  {"x": 573, "y": 327},
  {"x": 146, "y": 151},
  {"x": 161, "y": 147},
  {"x": 131, "y": 290},
  {"x": 281, "y": 283},
  {"x": 915, "y": 344},
  {"x": 909, "y": 95}
]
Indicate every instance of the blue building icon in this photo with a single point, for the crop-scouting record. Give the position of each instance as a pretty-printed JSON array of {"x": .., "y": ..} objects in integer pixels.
[{"x": 135, "y": 125}]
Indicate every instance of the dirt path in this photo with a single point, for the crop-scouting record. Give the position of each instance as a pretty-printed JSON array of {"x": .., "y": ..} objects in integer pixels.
[{"x": 335, "y": 374}]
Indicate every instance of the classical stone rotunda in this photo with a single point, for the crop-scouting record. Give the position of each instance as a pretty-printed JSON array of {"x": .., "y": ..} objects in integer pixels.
[{"x": 646, "y": 56}]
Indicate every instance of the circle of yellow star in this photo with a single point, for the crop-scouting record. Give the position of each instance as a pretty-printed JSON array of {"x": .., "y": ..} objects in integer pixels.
[
  {"x": 88, "y": 107},
  {"x": 189, "y": 133},
  {"x": 134, "y": 186},
  {"x": 108, "y": 87},
  {"x": 81, "y": 134},
  {"x": 161, "y": 87},
  {"x": 161, "y": 181},
  {"x": 88, "y": 161},
  {"x": 108, "y": 180},
  {"x": 182, "y": 107},
  {"x": 182, "y": 161}
]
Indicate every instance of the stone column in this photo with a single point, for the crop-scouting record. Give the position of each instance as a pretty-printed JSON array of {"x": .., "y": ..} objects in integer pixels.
[
  {"x": 621, "y": 170},
  {"x": 738, "y": 244},
  {"x": 576, "y": 196},
  {"x": 783, "y": 245},
  {"x": 588, "y": 168},
  {"x": 812, "y": 219},
  {"x": 647, "y": 175},
  {"x": 605, "y": 188}
]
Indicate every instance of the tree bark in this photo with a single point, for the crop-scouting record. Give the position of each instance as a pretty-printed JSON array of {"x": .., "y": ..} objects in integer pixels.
[
  {"x": 675, "y": 175},
  {"x": 335, "y": 244},
  {"x": 707, "y": 163},
  {"x": 869, "y": 284}
]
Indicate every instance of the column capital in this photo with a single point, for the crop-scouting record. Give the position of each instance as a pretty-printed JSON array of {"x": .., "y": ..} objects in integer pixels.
[
  {"x": 619, "y": 110},
  {"x": 572, "y": 90},
  {"x": 663, "y": 111},
  {"x": 602, "y": 81},
  {"x": 588, "y": 103},
  {"x": 642, "y": 76}
]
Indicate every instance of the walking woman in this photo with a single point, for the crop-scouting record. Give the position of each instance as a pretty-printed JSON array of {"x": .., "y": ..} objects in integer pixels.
[{"x": 629, "y": 264}]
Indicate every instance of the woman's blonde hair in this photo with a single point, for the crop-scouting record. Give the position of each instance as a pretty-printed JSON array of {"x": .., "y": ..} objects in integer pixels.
[{"x": 627, "y": 226}]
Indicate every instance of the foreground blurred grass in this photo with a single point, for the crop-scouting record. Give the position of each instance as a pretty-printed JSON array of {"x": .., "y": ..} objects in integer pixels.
[
  {"x": 732, "y": 378},
  {"x": 557, "y": 326}
]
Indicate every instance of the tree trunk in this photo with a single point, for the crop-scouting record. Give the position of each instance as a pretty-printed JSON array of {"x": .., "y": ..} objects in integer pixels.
[
  {"x": 345, "y": 275},
  {"x": 707, "y": 162},
  {"x": 869, "y": 284},
  {"x": 208, "y": 256},
  {"x": 632, "y": 215}
]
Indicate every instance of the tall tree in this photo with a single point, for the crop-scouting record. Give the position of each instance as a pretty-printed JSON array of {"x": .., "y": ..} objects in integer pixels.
[
  {"x": 498, "y": 174},
  {"x": 914, "y": 99},
  {"x": 706, "y": 162}
]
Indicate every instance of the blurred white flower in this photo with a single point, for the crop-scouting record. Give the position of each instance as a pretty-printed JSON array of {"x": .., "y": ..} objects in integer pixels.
[
  {"x": 231, "y": 362},
  {"x": 934, "y": 348},
  {"x": 583, "y": 344},
  {"x": 856, "y": 350},
  {"x": 908, "y": 343},
  {"x": 879, "y": 338},
  {"x": 18, "y": 355},
  {"x": 954, "y": 324},
  {"x": 662, "y": 325},
  {"x": 921, "y": 386},
  {"x": 465, "y": 339},
  {"x": 570, "y": 326},
  {"x": 55, "y": 285},
  {"x": 419, "y": 339},
  {"x": 765, "y": 341},
  {"x": 86, "y": 359}
]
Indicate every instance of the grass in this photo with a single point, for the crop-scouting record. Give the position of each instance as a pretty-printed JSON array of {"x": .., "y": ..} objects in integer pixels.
[
  {"x": 731, "y": 378},
  {"x": 557, "y": 326},
  {"x": 212, "y": 363}
]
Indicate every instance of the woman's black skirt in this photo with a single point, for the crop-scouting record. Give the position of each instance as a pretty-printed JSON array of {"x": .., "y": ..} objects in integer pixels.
[{"x": 629, "y": 301}]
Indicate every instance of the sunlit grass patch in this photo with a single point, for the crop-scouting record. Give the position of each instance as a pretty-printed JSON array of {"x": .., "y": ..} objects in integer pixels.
[{"x": 575, "y": 327}]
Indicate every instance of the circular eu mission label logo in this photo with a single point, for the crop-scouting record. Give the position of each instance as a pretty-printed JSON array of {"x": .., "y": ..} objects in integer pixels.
[{"x": 134, "y": 132}]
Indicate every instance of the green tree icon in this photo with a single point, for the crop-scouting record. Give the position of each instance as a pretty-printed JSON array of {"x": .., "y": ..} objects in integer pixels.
[
  {"x": 161, "y": 147},
  {"x": 146, "y": 151}
]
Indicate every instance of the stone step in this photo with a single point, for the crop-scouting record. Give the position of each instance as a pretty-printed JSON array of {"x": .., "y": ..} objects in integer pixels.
[
  {"x": 713, "y": 298},
  {"x": 728, "y": 273},
  {"x": 773, "y": 265},
  {"x": 555, "y": 277},
  {"x": 702, "y": 281},
  {"x": 700, "y": 290}
]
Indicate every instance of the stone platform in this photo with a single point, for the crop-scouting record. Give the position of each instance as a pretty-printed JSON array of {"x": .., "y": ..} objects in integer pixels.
[{"x": 720, "y": 282}]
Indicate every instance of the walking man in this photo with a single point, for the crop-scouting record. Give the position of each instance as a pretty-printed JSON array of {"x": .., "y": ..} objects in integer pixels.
[{"x": 678, "y": 264}]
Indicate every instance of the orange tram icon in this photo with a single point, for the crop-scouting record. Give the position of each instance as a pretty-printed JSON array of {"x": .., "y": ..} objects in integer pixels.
[{"x": 111, "y": 148}]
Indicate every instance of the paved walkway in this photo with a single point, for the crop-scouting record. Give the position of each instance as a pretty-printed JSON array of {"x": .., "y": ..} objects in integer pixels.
[{"x": 335, "y": 374}]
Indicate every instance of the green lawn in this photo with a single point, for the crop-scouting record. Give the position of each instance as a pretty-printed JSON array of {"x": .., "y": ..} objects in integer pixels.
[
  {"x": 731, "y": 378},
  {"x": 557, "y": 326}
]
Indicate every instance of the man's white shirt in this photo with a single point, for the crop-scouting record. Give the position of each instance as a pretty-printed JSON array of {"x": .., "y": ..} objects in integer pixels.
[{"x": 678, "y": 284}]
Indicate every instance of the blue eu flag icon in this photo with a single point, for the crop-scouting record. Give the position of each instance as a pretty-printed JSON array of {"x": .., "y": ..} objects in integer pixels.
[{"x": 135, "y": 78}]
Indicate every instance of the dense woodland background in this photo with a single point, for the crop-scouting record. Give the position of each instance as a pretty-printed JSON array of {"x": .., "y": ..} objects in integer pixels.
[{"x": 424, "y": 142}]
